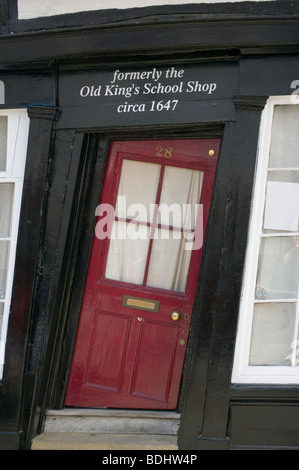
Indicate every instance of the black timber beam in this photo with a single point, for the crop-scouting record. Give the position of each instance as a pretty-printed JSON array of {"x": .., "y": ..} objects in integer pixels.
[{"x": 252, "y": 35}]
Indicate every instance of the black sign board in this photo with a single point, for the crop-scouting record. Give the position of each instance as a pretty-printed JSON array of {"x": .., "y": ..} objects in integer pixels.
[{"x": 152, "y": 95}]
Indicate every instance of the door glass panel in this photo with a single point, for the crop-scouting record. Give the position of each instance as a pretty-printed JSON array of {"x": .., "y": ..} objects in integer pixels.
[
  {"x": 3, "y": 142},
  {"x": 4, "y": 251},
  {"x": 153, "y": 248},
  {"x": 6, "y": 199},
  {"x": 272, "y": 334},
  {"x": 138, "y": 185},
  {"x": 278, "y": 269},
  {"x": 169, "y": 261},
  {"x": 180, "y": 187},
  {"x": 127, "y": 252},
  {"x": 171, "y": 254}
]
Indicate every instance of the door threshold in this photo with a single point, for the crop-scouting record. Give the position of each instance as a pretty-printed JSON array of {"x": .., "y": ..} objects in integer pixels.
[
  {"x": 126, "y": 412},
  {"x": 108, "y": 429},
  {"x": 98, "y": 441},
  {"x": 106, "y": 420}
]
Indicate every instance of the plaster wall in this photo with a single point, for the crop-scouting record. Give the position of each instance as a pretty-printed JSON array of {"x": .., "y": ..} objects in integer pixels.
[{"x": 35, "y": 8}]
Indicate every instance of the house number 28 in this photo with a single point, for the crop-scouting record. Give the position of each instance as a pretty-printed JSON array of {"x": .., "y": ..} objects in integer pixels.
[{"x": 163, "y": 151}]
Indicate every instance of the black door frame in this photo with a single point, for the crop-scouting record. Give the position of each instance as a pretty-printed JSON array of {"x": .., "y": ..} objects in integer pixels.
[{"x": 82, "y": 224}]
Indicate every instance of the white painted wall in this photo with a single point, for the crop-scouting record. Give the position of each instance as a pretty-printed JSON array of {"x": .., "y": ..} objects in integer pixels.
[{"x": 39, "y": 8}]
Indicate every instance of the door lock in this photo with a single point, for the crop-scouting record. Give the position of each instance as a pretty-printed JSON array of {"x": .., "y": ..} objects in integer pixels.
[{"x": 175, "y": 316}]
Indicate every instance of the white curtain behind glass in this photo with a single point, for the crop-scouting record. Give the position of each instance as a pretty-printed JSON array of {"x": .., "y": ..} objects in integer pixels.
[
  {"x": 1, "y": 314},
  {"x": 138, "y": 185},
  {"x": 272, "y": 334},
  {"x": 170, "y": 259},
  {"x": 285, "y": 137},
  {"x": 278, "y": 268},
  {"x": 4, "y": 253},
  {"x": 129, "y": 242},
  {"x": 3, "y": 142},
  {"x": 128, "y": 250},
  {"x": 6, "y": 201}
]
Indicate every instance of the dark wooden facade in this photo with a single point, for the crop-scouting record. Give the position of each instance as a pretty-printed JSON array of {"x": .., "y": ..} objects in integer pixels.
[{"x": 254, "y": 46}]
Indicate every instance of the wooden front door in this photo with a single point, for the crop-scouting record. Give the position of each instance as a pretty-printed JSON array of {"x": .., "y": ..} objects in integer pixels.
[{"x": 142, "y": 276}]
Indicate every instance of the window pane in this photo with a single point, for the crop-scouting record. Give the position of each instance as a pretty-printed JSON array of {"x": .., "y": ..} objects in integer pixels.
[
  {"x": 1, "y": 316},
  {"x": 4, "y": 252},
  {"x": 180, "y": 186},
  {"x": 127, "y": 252},
  {"x": 287, "y": 176},
  {"x": 272, "y": 334},
  {"x": 6, "y": 200},
  {"x": 296, "y": 347},
  {"x": 278, "y": 268},
  {"x": 3, "y": 142},
  {"x": 285, "y": 137},
  {"x": 138, "y": 185},
  {"x": 169, "y": 263},
  {"x": 282, "y": 201}
]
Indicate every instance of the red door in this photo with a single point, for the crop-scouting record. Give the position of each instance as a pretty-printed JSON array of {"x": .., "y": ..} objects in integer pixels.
[{"x": 142, "y": 276}]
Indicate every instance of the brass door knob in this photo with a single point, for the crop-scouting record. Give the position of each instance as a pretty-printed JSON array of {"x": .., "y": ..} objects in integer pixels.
[{"x": 175, "y": 316}]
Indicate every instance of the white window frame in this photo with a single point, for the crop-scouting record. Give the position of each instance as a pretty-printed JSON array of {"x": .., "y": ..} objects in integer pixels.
[
  {"x": 242, "y": 371},
  {"x": 17, "y": 140}
]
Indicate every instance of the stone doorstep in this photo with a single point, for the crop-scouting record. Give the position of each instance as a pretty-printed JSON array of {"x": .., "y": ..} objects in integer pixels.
[
  {"x": 105, "y": 421},
  {"x": 99, "y": 441},
  {"x": 106, "y": 429}
]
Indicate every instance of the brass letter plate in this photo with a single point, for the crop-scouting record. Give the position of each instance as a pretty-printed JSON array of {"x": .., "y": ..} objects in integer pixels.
[{"x": 141, "y": 304}]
